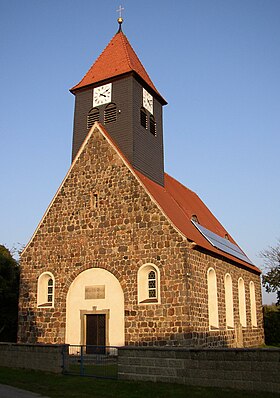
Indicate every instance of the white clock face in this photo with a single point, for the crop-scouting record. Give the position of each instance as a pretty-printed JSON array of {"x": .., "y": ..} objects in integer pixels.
[
  {"x": 148, "y": 101},
  {"x": 102, "y": 94}
]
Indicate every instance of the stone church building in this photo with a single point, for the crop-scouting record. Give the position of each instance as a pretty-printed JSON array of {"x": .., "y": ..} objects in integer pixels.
[{"x": 125, "y": 254}]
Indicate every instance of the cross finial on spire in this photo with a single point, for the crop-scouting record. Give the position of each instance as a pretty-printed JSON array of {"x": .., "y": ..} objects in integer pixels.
[
  {"x": 120, "y": 19},
  {"x": 119, "y": 10}
]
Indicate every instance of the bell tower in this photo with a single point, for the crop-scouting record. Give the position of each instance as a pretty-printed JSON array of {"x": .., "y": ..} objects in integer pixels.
[{"x": 118, "y": 93}]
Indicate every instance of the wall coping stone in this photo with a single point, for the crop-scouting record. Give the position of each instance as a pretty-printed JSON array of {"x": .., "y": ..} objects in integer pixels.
[{"x": 196, "y": 349}]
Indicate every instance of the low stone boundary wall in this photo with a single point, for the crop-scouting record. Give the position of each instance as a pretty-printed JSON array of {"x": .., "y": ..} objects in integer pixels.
[
  {"x": 247, "y": 369},
  {"x": 44, "y": 357}
]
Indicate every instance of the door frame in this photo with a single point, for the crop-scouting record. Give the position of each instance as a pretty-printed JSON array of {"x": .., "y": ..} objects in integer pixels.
[{"x": 83, "y": 317}]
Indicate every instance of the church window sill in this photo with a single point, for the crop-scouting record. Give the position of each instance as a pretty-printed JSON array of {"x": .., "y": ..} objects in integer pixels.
[{"x": 149, "y": 301}]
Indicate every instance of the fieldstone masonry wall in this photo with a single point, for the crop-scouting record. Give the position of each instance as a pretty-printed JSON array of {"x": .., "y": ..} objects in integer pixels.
[
  {"x": 103, "y": 217},
  {"x": 47, "y": 358},
  {"x": 246, "y": 369}
]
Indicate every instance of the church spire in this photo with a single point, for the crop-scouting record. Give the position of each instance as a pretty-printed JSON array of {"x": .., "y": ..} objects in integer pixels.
[
  {"x": 118, "y": 93},
  {"x": 117, "y": 59}
]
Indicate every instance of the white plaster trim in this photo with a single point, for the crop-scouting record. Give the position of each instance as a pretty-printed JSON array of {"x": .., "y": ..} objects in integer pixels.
[
  {"x": 155, "y": 268},
  {"x": 39, "y": 287}
]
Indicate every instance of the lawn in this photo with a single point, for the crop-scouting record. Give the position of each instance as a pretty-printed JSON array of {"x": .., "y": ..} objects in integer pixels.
[{"x": 62, "y": 386}]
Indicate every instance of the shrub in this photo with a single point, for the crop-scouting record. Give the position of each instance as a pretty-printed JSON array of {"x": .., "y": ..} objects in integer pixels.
[{"x": 272, "y": 324}]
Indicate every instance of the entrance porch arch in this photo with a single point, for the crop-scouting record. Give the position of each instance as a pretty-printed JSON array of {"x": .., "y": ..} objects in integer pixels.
[{"x": 95, "y": 295}]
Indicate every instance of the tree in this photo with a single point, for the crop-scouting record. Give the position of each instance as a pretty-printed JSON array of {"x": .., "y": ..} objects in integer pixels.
[
  {"x": 271, "y": 280},
  {"x": 9, "y": 289}
]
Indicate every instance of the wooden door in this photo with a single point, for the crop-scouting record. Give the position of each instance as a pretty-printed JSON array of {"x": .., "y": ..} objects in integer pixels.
[{"x": 95, "y": 333}]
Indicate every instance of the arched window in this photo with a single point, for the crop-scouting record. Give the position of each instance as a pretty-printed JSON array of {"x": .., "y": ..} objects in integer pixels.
[
  {"x": 152, "y": 284},
  {"x": 229, "y": 302},
  {"x": 153, "y": 126},
  {"x": 93, "y": 116},
  {"x": 242, "y": 302},
  {"x": 45, "y": 290},
  {"x": 110, "y": 113},
  {"x": 212, "y": 299},
  {"x": 148, "y": 284},
  {"x": 253, "y": 304},
  {"x": 143, "y": 118},
  {"x": 50, "y": 291}
]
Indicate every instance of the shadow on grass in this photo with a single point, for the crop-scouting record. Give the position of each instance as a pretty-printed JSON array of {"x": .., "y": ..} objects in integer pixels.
[{"x": 63, "y": 386}]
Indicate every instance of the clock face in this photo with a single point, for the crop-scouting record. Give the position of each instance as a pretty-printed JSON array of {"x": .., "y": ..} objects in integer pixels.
[
  {"x": 148, "y": 101},
  {"x": 102, "y": 94}
]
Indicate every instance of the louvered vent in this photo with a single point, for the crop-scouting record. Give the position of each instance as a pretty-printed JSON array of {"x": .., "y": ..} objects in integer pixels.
[
  {"x": 93, "y": 116},
  {"x": 110, "y": 113},
  {"x": 143, "y": 118},
  {"x": 153, "y": 126}
]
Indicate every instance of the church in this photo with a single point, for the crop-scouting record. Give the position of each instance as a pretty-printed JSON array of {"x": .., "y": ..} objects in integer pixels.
[{"x": 125, "y": 254}]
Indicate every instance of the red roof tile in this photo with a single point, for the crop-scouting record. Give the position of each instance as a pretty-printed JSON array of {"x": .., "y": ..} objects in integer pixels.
[
  {"x": 116, "y": 59},
  {"x": 179, "y": 204}
]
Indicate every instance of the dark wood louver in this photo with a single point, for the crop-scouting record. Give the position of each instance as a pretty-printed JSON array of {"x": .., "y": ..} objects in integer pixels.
[
  {"x": 93, "y": 116},
  {"x": 143, "y": 118},
  {"x": 153, "y": 126},
  {"x": 110, "y": 113}
]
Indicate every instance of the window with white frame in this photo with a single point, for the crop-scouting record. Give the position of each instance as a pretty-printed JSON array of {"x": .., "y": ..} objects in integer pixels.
[
  {"x": 45, "y": 290},
  {"x": 229, "y": 302},
  {"x": 212, "y": 299},
  {"x": 242, "y": 302},
  {"x": 148, "y": 284},
  {"x": 253, "y": 304}
]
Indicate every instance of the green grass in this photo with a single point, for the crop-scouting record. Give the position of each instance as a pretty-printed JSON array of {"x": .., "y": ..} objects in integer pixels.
[
  {"x": 102, "y": 370},
  {"x": 62, "y": 386}
]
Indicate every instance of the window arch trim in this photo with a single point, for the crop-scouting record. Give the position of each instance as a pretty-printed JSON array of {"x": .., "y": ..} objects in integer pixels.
[
  {"x": 242, "y": 302},
  {"x": 45, "y": 290},
  {"x": 229, "y": 301},
  {"x": 213, "y": 311},
  {"x": 144, "y": 287},
  {"x": 253, "y": 307}
]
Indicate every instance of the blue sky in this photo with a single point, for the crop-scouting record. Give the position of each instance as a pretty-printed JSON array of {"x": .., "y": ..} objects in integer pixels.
[{"x": 216, "y": 62}]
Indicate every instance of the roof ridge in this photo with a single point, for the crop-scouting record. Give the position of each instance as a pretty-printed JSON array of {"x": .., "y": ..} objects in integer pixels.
[
  {"x": 123, "y": 38},
  {"x": 126, "y": 43},
  {"x": 116, "y": 59},
  {"x": 94, "y": 62}
]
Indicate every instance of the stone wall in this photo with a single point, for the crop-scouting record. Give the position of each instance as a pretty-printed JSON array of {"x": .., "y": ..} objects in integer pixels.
[
  {"x": 246, "y": 369},
  {"x": 48, "y": 358},
  {"x": 119, "y": 232},
  {"x": 248, "y": 336}
]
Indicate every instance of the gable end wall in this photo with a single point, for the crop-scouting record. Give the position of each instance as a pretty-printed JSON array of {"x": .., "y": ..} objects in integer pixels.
[{"x": 125, "y": 231}]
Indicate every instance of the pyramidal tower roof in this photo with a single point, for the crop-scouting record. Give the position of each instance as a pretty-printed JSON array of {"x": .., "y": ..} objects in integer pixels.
[{"x": 118, "y": 58}]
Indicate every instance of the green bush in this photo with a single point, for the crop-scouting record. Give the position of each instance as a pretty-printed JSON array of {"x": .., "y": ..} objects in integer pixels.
[
  {"x": 9, "y": 288},
  {"x": 272, "y": 324}
]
